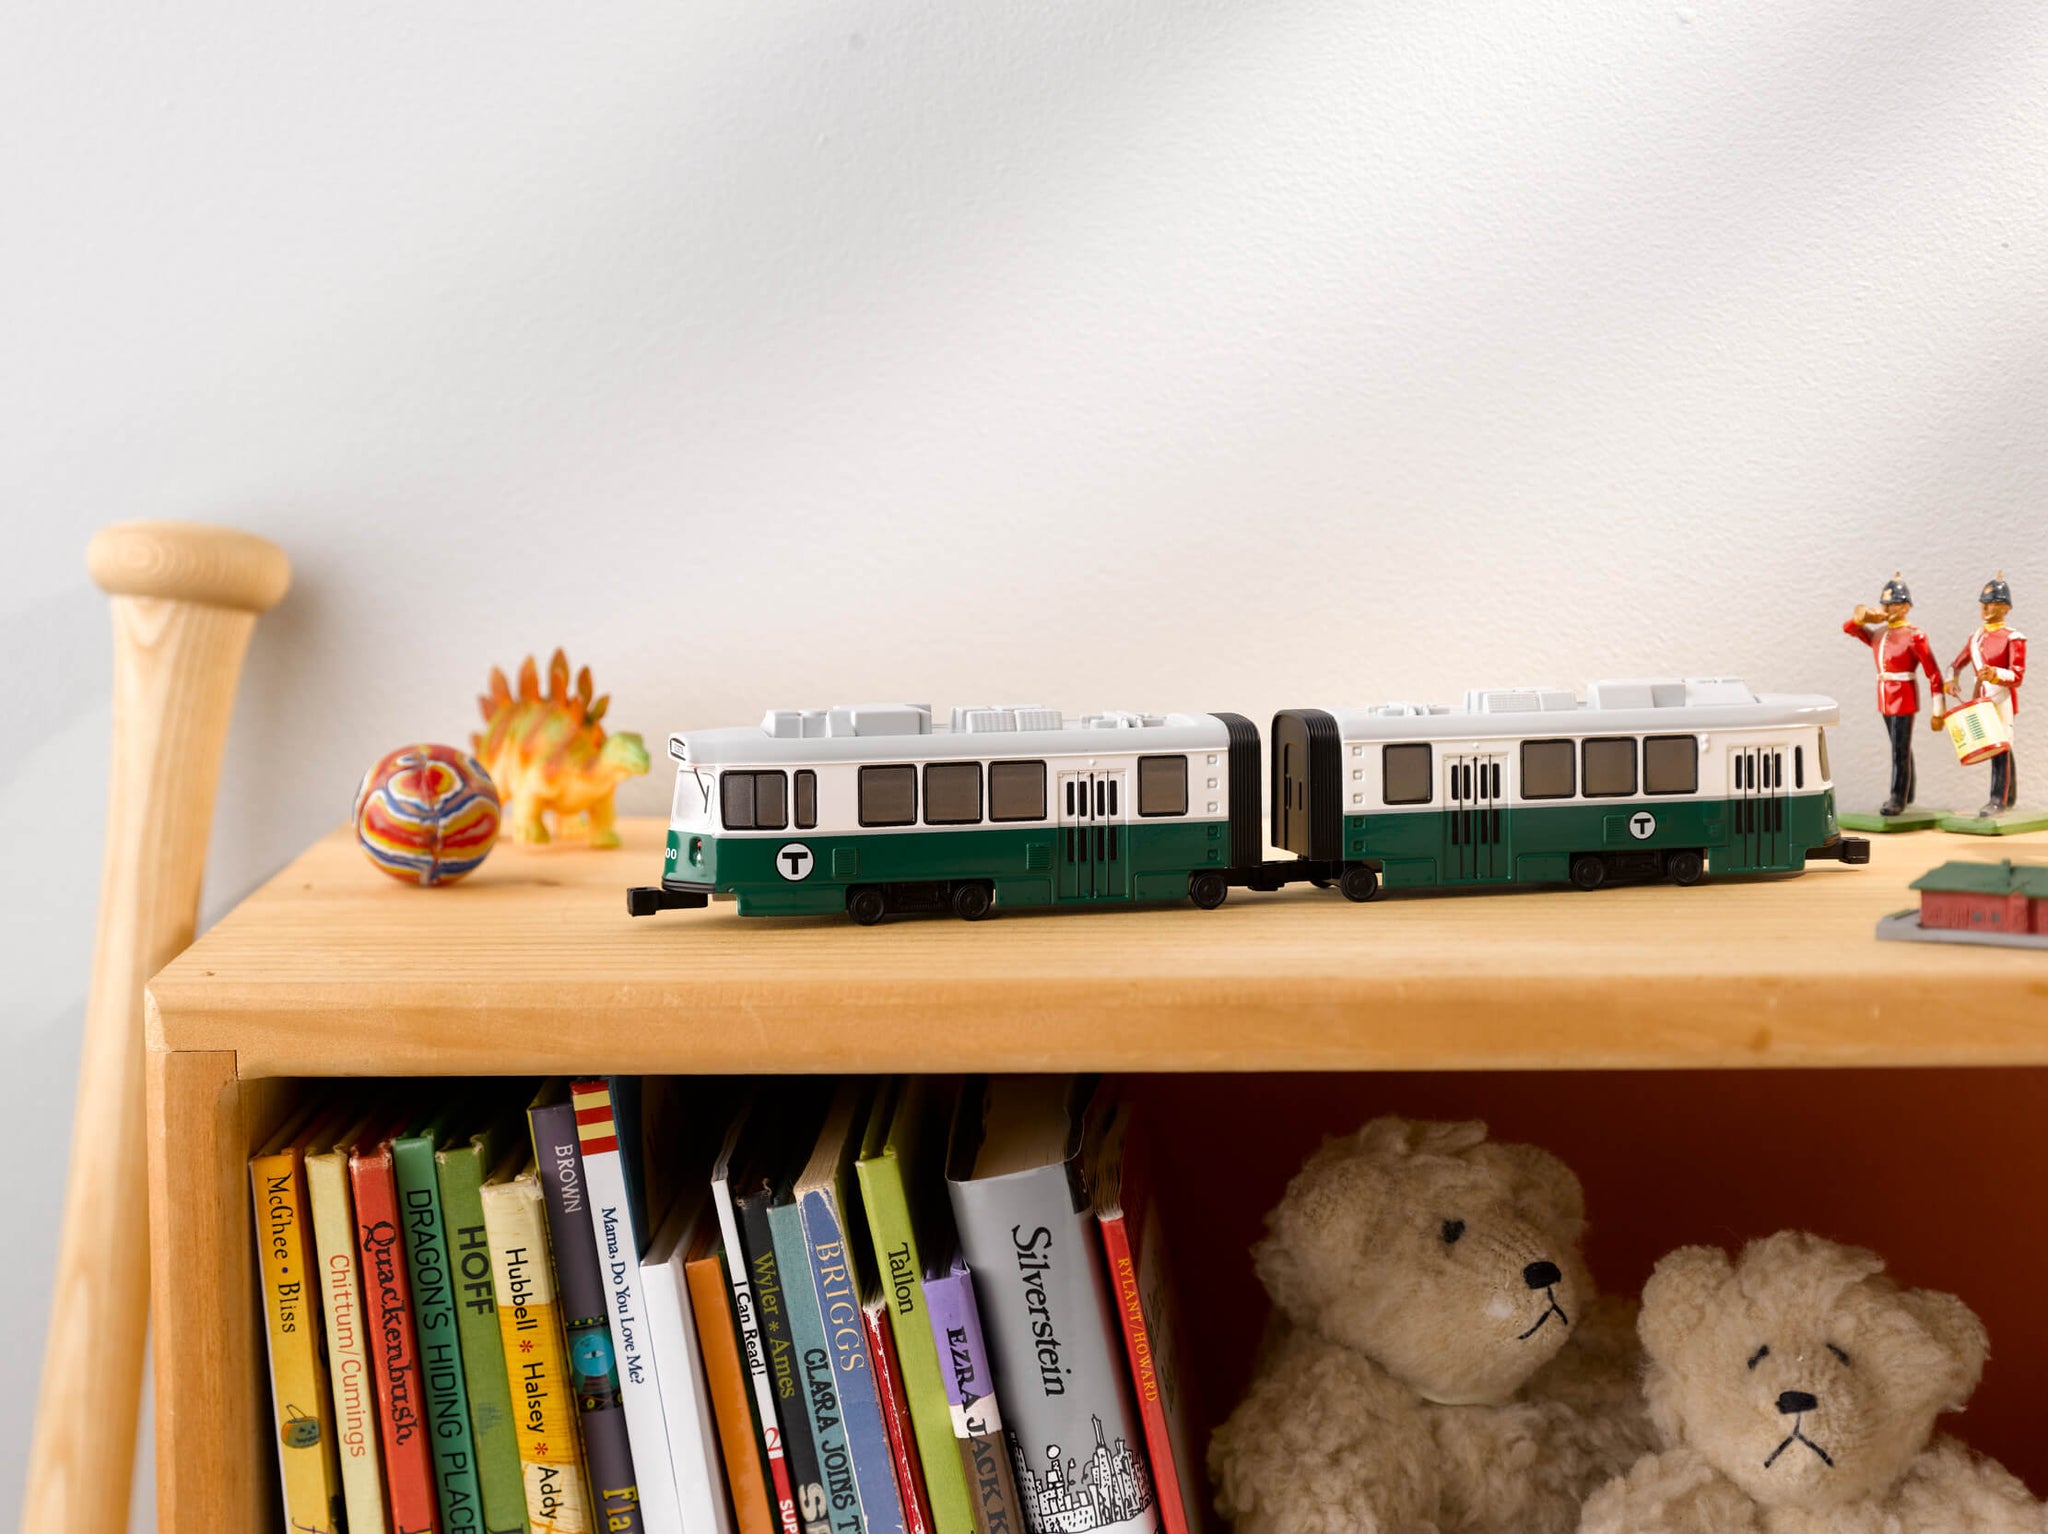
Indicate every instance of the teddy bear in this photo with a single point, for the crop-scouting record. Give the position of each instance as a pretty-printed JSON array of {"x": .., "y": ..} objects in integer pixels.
[
  {"x": 1437, "y": 1362},
  {"x": 1794, "y": 1391}
]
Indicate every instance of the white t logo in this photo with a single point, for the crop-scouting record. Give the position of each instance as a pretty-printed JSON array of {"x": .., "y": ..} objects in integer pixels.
[
  {"x": 794, "y": 861},
  {"x": 1642, "y": 825}
]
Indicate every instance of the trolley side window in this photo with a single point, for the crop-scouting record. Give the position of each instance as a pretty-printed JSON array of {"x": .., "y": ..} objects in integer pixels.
[
  {"x": 952, "y": 794},
  {"x": 1405, "y": 774},
  {"x": 888, "y": 796},
  {"x": 1162, "y": 785},
  {"x": 1608, "y": 767},
  {"x": 1671, "y": 764},
  {"x": 1822, "y": 753},
  {"x": 1549, "y": 770},
  {"x": 1016, "y": 790},
  {"x": 806, "y": 799},
  {"x": 754, "y": 801}
]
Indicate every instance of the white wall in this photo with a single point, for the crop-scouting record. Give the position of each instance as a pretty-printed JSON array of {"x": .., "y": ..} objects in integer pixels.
[{"x": 1206, "y": 355}]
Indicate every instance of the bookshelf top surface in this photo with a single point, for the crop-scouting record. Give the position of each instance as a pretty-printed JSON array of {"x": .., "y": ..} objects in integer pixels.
[{"x": 532, "y": 965}]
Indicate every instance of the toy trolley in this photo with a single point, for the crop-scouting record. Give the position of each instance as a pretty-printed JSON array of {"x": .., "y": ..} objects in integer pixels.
[{"x": 1978, "y": 731}]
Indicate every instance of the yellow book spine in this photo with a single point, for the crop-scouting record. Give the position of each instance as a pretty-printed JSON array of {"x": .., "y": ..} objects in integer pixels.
[
  {"x": 348, "y": 1357},
  {"x": 536, "y": 1358},
  {"x": 306, "y": 1460}
]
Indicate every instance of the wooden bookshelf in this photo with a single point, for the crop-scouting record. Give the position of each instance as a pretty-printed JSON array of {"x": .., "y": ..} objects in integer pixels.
[{"x": 533, "y": 967}]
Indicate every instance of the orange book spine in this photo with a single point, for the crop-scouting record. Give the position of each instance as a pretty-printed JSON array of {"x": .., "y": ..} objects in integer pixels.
[{"x": 711, "y": 1300}]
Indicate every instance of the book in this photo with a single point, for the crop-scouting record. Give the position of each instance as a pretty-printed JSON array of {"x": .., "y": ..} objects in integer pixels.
[
  {"x": 836, "y": 1237},
  {"x": 917, "y": 1505},
  {"x": 1015, "y": 1173},
  {"x": 778, "y": 1337},
  {"x": 971, "y": 1398},
  {"x": 739, "y": 1158},
  {"x": 814, "y": 1366},
  {"x": 685, "y": 1396},
  {"x": 902, "y": 1188},
  {"x": 533, "y": 1349},
  {"x": 460, "y": 1170},
  {"x": 308, "y": 1467},
  {"x": 726, "y": 1376},
  {"x": 600, "y": 1410},
  {"x": 348, "y": 1342},
  {"x": 387, "y": 1297},
  {"x": 1141, "y": 1281},
  {"x": 434, "y": 1317},
  {"x": 605, "y": 1122}
]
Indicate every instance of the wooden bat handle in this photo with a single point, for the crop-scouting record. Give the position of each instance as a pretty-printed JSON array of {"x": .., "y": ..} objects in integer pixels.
[{"x": 185, "y": 598}]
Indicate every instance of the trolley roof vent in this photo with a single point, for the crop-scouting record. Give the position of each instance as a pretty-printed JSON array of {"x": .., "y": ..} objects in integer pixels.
[
  {"x": 1410, "y": 710},
  {"x": 1520, "y": 700},
  {"x": 1002, "y": 719},
  {"x": 854, "y": 719},
  {"x": 1120, "y": 719},
  {"x": 1670, "y": 692}
]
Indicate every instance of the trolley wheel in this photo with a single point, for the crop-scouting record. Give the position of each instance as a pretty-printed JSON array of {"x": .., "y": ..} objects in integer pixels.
[
  {"x": 971, "y": 902},
  {"x": 1208, "y": 890},
  {"x": 1589, "y": 871},
  {"x": 866, "y": 904},
  {"x": 1684, "y": 867},
  {"x": 1358, "y": 883}
]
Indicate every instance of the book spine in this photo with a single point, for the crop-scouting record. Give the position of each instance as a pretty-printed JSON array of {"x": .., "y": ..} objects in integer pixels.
[
  {"x": 306, "y": 1461},
  {"x": 896, "y": 1259},
  {"x": 1150, "y": 1352},
  {"x": 753, "y": 1354},
  {"x": 1076, "y": 1442},
  {"x": 832, "y": 1274},
  {"x": 387, "y": 1296},
  {"x": 814, "y": 1371},
  {"x": 686, "y": 1400},
  {"x": 348, "y": 1354},
  {"x": 910, "y": 1488},
  {"x": 618, "y": 1250},
  {"x": 785, "y": 1373},
  {"x": 461, "y": 1174},
  {"x": 711, "y": 1302},
  {"x": 971, "y": 1402},
  {"x": 600, "y": 1411},
  {"x": 433, "y": 1301},
  {"x": 534, "y": 1352}
]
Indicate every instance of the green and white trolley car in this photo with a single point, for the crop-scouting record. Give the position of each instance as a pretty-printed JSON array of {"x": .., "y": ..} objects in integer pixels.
[{"x": 875, "y": 809}]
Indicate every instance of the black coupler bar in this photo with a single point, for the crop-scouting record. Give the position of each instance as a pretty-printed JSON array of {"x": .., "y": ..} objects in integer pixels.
[{"x": 646, "y": 900}]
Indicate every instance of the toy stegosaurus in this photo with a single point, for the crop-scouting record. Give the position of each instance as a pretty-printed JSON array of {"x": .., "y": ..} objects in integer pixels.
[{"x": 549, "y": 754}]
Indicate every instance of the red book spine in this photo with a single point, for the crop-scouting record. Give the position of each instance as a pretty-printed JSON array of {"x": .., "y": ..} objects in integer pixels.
[
  {"x": 917, "y": 1502},
  {"x": 387, "y": 1301}
]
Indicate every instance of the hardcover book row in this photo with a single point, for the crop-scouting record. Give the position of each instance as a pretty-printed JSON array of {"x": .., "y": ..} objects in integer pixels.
[{"x": 717, "y": 1306}]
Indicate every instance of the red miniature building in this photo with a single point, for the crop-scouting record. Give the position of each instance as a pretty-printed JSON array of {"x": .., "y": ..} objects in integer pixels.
[{"x": 1985, "y": 897}]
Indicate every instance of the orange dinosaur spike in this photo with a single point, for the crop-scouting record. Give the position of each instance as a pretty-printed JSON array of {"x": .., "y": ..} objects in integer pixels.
[
  {"x": 529, "y": 682},
  {"x": 596, "y": 711},
  {"x": 558, "y": 677},
  {"x": 496, "y": 697},
  {"x": 583, "y": 684}
]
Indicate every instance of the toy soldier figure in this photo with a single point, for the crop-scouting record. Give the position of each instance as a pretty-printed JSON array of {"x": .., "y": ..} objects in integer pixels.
[
  {"x": 1997, "y": 654},
  {"x": 1898, "y": 647}
]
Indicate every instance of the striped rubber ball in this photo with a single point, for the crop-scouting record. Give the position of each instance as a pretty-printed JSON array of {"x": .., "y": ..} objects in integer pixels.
[{"x": 426, "y": 814}]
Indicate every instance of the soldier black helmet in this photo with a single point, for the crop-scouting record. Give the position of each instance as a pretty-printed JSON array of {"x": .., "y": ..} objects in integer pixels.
[
  {"x": 1896, "y": 590},
  {"x": 1996, "y": 590}
]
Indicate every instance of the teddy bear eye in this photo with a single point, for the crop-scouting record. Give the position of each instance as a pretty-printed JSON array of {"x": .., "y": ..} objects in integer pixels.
[
  {"x": 1452, "y": 1230},
  {"x": 1838, "y": 1353},
  {"x": 1759, "y": 1355}
]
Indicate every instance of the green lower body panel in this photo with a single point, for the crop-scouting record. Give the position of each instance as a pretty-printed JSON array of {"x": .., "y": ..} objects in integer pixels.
[{"x": 801, "y": 873}]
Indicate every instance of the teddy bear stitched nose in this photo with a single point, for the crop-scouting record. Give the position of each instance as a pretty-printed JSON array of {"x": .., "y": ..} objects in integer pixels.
[
  {"x": 1541, "y": 1275},
  {"x": 1792, "y": 1402}
]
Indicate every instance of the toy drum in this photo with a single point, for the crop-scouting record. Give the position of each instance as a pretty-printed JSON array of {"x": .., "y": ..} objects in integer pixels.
[{"x": 1978, "y": 731}]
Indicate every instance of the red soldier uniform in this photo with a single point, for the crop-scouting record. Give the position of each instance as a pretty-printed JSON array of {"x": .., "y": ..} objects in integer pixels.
[
  {"x": 1997, "y": 653},
  {"x": 1898, "y": 649}
]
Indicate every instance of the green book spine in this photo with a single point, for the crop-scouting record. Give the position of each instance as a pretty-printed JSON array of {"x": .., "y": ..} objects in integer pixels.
[
  {"x": 888, "y": 1167},
  {"x": 433, "y": 1297},
  {"x": 462, "y": 1171}
]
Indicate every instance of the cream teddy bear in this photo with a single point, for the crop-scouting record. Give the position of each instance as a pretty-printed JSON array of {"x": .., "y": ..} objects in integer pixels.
[
  {"x": 1437, "y": 1362},
  {"x": 1796, "y": 1389}
]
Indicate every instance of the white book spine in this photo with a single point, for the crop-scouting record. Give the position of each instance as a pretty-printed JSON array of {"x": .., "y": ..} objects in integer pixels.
[
  {"x": 751, "y": 1354},
  {"x": 348, "y": 1357},
  {"x": 618, "y": 1254},
  {"x": 686, "y": 1400}
]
